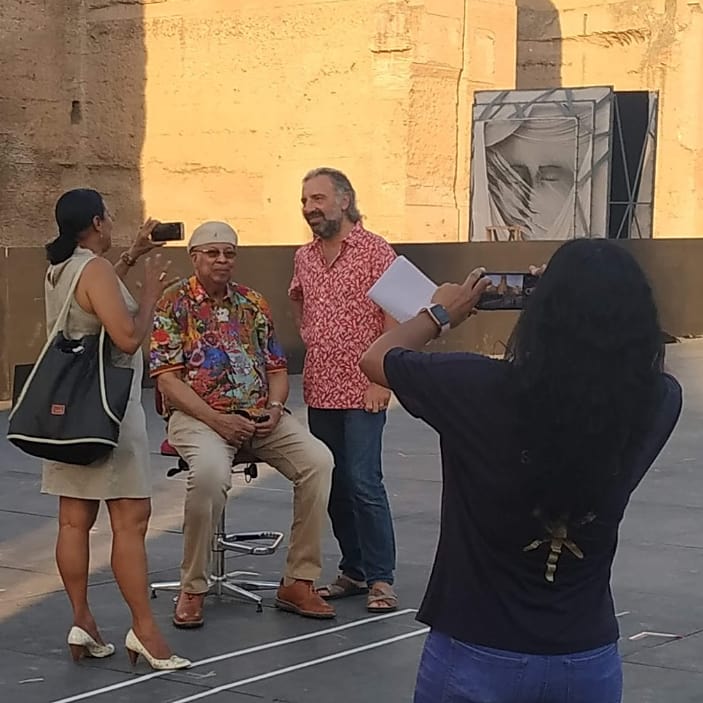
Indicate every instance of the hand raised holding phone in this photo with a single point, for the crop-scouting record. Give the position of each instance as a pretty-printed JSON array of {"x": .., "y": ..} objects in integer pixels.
[
  {"x": 484, "y": 290},
  {"x": 509, "y": 291},
  {"x": 460, "y": 299}
]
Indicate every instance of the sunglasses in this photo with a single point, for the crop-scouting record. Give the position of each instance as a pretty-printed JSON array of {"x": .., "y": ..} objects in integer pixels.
[{"x": 229, "y": 254}]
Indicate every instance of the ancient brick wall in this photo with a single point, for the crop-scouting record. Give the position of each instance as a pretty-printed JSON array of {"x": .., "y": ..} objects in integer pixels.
[
  {"x": 216, "y": 108},
  {"x": 72, "y": 105},
  {"x": 649, "y": 45}
]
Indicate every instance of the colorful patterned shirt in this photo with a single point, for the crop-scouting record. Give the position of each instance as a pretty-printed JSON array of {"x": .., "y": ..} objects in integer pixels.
[
  {"x": 339, "y": 321},
  {"x": 225, "y": 350}
]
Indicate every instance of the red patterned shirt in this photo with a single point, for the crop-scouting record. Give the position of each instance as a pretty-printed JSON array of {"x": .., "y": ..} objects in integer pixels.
[{"x": 339, "y": 321}]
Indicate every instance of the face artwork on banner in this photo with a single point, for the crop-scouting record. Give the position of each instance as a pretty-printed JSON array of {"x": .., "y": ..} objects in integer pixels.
[{"x": 541, "y": 166}]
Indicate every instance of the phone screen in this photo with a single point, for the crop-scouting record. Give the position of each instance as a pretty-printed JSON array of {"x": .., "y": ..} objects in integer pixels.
[
  {"x": 168, "y": 232},
  {"x": 508, "y": 291}
]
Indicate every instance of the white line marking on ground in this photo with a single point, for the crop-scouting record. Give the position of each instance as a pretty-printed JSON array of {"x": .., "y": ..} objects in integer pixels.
[
  {"x": 270, "y": 490},
  {"x": 642, "y": 635},
  {"x": 236, "y": 653},
  {"x": 302, "y": 665},
  {"x": 624, "y": 612}
]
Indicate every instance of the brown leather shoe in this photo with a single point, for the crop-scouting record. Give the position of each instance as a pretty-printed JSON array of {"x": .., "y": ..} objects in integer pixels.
[
  {"x": 188, "y": 613},
  {"x": 301, "y": 598}
]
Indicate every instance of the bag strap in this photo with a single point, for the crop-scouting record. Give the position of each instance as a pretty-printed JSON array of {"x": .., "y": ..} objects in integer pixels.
[
  {"x": 63, "y": 314},
  {"x": 61, "y": 320}
]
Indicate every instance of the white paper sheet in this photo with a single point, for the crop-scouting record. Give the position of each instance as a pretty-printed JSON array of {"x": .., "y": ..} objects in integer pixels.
[{"x": 403, "y": 290}]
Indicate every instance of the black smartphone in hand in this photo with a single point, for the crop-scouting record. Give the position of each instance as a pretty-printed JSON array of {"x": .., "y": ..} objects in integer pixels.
[
  {"x": 507, "y": 291},
  {"x": 168, "y": 232}
]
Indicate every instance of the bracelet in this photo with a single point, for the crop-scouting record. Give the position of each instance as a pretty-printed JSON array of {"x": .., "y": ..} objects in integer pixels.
[
  {"x": 277, "y": 404},
  {"x": 128, "y": 259}
]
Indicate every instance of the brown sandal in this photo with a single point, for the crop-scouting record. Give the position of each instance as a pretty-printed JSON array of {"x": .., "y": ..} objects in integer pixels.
[
  {"x": 381, "y": 599},
  {"x": 343, "y": 587}
]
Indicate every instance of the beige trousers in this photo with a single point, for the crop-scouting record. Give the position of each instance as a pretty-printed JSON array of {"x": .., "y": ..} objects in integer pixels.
[{"x": 292, "y": 450}]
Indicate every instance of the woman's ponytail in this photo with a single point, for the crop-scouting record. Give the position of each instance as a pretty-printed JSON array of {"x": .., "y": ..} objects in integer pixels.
[{"x": 74, "y": 213}]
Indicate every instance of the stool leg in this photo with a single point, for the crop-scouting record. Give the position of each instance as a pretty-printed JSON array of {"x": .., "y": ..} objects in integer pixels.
[
  {"x": 251, "y": 584},
  {"x": 218, "y": 558},
  {"x": 235, "y": 590},
  {"x": 222, "y": 583},
  {"x": 218, "y": 551},
  {"x": 164, "y": 586}
]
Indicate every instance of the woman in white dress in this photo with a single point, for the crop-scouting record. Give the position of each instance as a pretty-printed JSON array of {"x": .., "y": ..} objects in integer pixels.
[{"x": 122, "y": 480}]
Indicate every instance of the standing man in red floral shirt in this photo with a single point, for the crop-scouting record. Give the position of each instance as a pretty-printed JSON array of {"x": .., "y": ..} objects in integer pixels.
[{"x": 337, "y": 323}]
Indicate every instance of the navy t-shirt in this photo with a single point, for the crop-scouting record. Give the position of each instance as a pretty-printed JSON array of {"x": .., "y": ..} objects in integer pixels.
[{"x": 490, "y": 583}]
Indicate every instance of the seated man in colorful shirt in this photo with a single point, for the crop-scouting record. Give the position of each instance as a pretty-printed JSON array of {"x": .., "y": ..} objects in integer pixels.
[{"x": 215, "y": 355}]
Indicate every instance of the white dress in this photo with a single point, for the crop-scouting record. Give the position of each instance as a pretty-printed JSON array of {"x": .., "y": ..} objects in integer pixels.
[{"x": 125, "y": 472}]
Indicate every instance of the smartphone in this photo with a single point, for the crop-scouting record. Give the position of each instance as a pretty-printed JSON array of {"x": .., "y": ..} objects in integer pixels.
[
  {"x": 508, "y": 291},
  {"x": 168, "y": 232}
]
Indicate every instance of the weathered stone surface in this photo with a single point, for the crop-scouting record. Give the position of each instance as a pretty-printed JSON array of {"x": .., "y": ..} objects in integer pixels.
[
  {"x": 649, "y": 45},
  {"x": 188, "y": 111}
]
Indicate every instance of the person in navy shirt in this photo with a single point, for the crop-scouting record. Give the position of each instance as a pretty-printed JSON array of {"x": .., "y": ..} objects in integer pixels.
[{"x": 540, "y": 452}]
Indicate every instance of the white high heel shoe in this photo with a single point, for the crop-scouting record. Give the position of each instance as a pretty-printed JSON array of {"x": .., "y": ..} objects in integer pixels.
[
  {"x": 135, "y": 648},
  {"x": 82, "y": 644}
]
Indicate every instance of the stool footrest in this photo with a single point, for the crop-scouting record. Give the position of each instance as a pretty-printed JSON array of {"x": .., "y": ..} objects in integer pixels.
[
  {"x": 236, "y": 542},
  {"x": 233, "y": 583}
]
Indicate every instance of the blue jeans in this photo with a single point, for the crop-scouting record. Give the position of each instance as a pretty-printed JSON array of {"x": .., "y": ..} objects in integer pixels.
[
  {"x": 358, "y": 506},
  {"x": 457, "y": 672}
]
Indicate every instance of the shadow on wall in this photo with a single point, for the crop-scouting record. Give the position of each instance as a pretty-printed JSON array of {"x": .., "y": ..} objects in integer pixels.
[
  {"x": 72, "y": 82},
  {"x": 538, "y": 45},
  {"x": 35, "y": 130},
  {"x": 115, "y": 113}
]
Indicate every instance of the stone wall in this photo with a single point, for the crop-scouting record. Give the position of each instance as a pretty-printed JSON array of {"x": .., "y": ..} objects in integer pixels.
[
  {"x": 72, "y": 79},
  {"x": 243, "y": 98},
  {"x": 216, "y": 108},
  {"x": 648, "y": 45}
]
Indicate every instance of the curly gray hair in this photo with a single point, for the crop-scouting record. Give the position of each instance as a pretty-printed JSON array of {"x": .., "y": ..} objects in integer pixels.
[{"x": 343, "y": 187}]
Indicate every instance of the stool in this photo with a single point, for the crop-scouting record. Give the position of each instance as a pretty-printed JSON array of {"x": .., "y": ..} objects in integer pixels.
[
  {"x": 234, "y": 583},
  {"x": 515, "y": 233}
]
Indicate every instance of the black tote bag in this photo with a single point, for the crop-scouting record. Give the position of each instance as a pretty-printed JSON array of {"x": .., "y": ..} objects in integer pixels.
[{"x": 73, "y": 400}]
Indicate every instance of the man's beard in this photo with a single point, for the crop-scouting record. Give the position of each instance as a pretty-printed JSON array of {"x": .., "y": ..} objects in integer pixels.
[{"x": 324, "y": 228}]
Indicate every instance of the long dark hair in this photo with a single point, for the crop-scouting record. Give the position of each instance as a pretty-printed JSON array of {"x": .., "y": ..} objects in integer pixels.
[
  {"x": 75, "y": 211},
  {"x": 587, "y": 351}
]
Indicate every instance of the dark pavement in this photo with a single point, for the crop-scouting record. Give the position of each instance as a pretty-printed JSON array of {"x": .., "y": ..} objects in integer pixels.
[{"x": 243, "y": 656}]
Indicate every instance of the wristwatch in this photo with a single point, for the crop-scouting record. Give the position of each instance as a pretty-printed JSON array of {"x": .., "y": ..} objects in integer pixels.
[{"x": 439, "y": 316}]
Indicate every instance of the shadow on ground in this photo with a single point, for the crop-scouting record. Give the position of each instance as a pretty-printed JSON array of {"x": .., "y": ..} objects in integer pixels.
[{"x": 274, "y": 656}]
